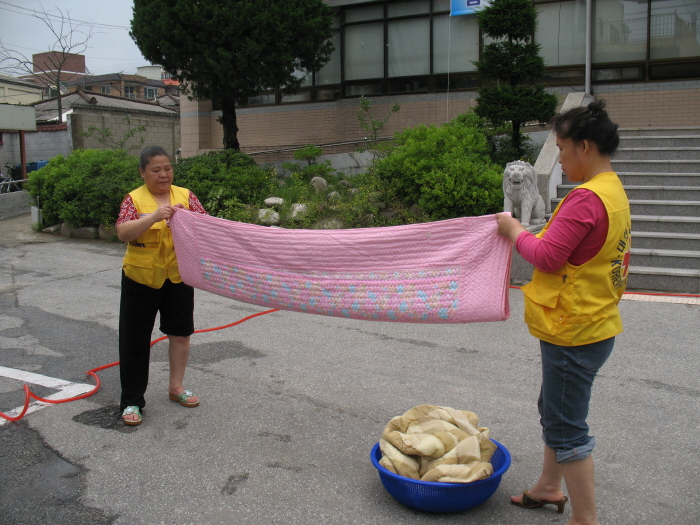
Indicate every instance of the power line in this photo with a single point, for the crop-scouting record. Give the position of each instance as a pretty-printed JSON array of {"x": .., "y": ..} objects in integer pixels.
[
  {"x": 13, "y": 46},
  {"x": 56, "y": 17}
]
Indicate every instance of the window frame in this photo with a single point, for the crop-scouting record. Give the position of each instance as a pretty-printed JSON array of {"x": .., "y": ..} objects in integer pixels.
[{"x": 559, "y": 75}]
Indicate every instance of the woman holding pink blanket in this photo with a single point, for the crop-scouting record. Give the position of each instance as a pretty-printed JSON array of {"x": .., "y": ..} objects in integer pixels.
[
  {"x": 581, "y": 259},
  {"x": 151, "y": 284}
]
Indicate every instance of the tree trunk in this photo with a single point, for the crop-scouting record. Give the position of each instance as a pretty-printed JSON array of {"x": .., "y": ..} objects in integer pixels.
[
  {"x": 516, "y": 137},
  {"x": 228, "y": 122}
]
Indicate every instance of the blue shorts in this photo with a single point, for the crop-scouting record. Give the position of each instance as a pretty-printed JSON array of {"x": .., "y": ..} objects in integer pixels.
[{"x": 567, "y": 379}]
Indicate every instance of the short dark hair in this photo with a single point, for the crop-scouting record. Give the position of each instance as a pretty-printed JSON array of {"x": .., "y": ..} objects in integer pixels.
[
  {"x": 590, "y": 123},
  {"x": 149, "y": 153}
]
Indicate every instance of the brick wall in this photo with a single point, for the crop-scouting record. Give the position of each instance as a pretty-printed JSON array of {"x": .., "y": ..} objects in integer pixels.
[
  {"x": 39, "y": 145},
  {"x": 161, "y": 129},
  {"x": 654, "y": 107},
  {"x": 662, "y": 104},
  {"x": 274, "y": 127}
]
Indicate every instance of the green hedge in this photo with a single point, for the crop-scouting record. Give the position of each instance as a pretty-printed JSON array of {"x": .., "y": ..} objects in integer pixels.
[
  {"x": 84, "y": 189},
  {"x": 87, "y": 187},
  {"x": 446, "y": 171},
  {"x": 228, "y": 183}
]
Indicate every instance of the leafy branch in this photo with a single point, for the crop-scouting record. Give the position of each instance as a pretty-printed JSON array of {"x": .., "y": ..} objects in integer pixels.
[
  {"x": 372, "y": 125},
  {"x": 106, "y": 137}
]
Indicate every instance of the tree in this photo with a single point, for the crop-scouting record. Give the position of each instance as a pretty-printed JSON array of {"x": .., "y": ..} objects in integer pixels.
[
  {"x": 71, "y": 39},
  {"x": 512, "y": 65},
  {"x": 230, "y": 50},
  {"x": 372, "y": 125}
]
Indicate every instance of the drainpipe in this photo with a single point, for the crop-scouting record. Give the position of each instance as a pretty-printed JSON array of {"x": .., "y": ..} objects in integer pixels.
[{"x": 588, "y": 47}]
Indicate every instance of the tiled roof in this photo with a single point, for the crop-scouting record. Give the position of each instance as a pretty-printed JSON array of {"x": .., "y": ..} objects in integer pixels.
[
  {"x": 114, "y": 77},
  {"x": 48, "y": 109},
  {"x": 14, "y": 80}
]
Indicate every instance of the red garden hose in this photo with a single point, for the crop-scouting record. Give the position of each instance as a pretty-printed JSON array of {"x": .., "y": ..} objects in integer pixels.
[{"x": 28, "y": 394}]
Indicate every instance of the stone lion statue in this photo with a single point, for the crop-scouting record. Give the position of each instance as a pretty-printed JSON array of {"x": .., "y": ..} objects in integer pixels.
[{"x": 521, "y": 196}]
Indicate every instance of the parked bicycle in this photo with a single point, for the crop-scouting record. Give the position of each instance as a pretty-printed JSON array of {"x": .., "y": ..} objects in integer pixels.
[{"x": 10, "y": 180}]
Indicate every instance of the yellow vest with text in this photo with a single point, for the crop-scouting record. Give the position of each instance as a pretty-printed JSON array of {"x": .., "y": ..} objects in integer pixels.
[
  {"x": 150, "y": 259},
  {"x": 577, "y": 305}
]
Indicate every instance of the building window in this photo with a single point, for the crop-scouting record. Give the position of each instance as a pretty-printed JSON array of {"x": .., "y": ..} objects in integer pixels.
[
  {"x": 105, "y": 89},
  {"x": 620, "y": 30},
  {"x": 262, "y": 99},
  {"x": 409, "y": 7},
  {"x": 330, "y": 73},
  {"x": 364, "y": 51},
  {"x": 674, "y": 31},
  {"x": 129, "y": 91},
  {"x": 411, "y": 46},
  {"x": 361, "y": 14},
  {"x": 151, "y": 93},
  {"x": 561, "y": 33},
  {"x": 457, "y": 53}
]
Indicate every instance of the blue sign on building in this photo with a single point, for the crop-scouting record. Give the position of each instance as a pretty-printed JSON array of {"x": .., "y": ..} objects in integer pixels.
[{"x": 466, "y": 7}]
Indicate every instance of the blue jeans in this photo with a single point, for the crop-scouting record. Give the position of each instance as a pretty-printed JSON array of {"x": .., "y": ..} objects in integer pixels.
[{"x": 567, "y": 378}]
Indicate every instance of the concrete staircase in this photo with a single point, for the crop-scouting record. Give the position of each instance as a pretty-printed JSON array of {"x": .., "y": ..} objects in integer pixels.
[{"x": 660, "y": 169}]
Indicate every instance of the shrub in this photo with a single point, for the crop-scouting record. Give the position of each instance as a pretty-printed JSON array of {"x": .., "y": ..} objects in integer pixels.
[
  {"x": 228, "y": 183},
  {"x": 446, "y": 171},
  {"x": 308, "y": 153},
  {"x": 87, "y": 187},
  {"x": 84, "y": 189}
]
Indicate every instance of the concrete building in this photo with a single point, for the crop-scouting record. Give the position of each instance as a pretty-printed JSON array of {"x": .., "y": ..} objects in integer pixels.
[
  {"x": 82, "y": 110},
  {"x": 645, "y": 64},
  {"x": 16, "y": 91},
  {"x": 55, "y": 66},
  {"x": 136, "y": 87}
]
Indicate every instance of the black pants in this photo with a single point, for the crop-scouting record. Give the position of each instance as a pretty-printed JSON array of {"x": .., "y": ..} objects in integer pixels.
[{"x": 137, "y": 315}]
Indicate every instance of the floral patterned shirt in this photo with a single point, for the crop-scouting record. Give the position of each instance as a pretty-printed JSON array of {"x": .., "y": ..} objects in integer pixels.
[{"x": 128, "y": 211}]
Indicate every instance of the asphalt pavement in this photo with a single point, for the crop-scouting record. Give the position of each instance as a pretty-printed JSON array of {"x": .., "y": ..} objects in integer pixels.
[{"x": 292, "y": 404}]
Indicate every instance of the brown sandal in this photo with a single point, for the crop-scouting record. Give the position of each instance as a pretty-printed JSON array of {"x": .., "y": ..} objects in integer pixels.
[{"x": 528, "y": 502}]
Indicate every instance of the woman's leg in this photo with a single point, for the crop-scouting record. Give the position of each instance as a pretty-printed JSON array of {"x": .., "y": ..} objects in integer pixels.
[
  {"x": 137, "y": 313},
  {"x": 178, "y": 354},
  {"x": 568, "y": 374},
  {"x": 177, "y": 320},
  {"x": 548, "y": 487},
  {"x": 580, "y": 482}
]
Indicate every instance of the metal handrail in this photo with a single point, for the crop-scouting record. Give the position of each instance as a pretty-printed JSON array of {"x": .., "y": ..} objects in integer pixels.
[{"x": 327, "y": 144}]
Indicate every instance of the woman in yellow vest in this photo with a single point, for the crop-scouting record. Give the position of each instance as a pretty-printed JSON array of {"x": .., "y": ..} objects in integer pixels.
[
  {"x": 151, "y": 283},
  {"x": 581, "y": 259}
]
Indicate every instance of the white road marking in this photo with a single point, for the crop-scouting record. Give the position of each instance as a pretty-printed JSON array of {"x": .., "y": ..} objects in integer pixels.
[{"x": 66, "y": 389}]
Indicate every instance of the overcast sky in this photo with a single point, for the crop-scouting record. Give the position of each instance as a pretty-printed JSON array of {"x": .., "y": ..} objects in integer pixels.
[{"x": 110, "y": 50}]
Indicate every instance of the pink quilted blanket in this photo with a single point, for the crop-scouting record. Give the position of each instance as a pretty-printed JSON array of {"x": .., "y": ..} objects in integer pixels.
[{"x": 452, "y": 271}]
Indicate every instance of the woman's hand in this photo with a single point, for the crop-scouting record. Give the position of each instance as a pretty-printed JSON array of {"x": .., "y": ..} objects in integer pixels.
[
  {"x": 132, "y": 230},
  {"x": 167, "y": 211},
  {"x": 508, "y": 226}
]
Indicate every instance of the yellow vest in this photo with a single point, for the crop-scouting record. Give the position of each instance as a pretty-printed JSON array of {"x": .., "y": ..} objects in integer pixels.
[
  {"x": 150, "y": 259},
  {"x": 577, "y": 305}
]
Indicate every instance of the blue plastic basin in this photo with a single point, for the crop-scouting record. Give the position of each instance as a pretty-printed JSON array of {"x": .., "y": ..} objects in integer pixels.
[{"x": 433, "y": 496}]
